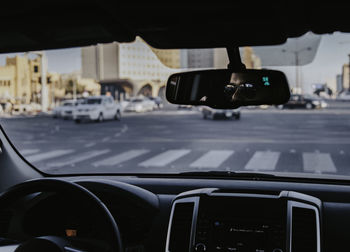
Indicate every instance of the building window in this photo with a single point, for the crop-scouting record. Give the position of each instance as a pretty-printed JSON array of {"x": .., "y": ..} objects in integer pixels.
[{"x": 36, "y": 69}]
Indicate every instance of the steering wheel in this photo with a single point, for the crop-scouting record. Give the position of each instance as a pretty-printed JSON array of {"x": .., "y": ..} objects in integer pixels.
[{"x": 80, "y": 194}]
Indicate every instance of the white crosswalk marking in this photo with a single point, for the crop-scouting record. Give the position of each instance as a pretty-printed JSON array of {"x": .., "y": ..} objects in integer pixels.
[
  {"x": 318, "y": 162},
  {"x": 263, "y": 160},
  {"x": 48, "y": 155},
  {"x": 120, "y": 158},
  {"x": 165, "y": 158},
  {"x": 79, "y": 158},
  {"x": 29, "y": 151},
  {"x": 212, "y": 159}
]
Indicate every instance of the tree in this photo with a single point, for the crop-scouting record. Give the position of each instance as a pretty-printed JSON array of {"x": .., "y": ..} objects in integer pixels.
[{"x": 70, "y": 87}]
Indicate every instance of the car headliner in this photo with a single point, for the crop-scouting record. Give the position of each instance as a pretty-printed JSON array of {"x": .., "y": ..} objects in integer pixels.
[{"x": 65, "y": 23}]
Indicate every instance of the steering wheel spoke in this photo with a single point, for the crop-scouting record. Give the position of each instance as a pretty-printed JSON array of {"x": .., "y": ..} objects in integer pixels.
[{"x": 60, "y": 244}]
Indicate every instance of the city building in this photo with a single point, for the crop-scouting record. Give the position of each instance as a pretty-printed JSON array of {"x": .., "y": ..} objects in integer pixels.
[
  {"x": 220, "y": 58},
  {"x": 20, "y": 81},
  {"x": 170, "y": 58},
  {"x": 339, "y": 83},
  {"x": 128, "y": 69},
  {"x": 250, "y": 60},
  {"x": 346, "y": 76},
  {"x": 197, "y": 58}
]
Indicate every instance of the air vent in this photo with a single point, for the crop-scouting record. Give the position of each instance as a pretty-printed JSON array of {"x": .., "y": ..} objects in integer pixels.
[
  {"x": 5, "y": 218},
  {"x": 181, "y": 224},
  {"x": 304, "y": 230}
]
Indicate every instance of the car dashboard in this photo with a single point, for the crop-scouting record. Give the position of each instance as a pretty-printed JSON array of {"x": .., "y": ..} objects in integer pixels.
[
  {"x": 216, "y": 220},
  {"x": 195, "y": 215}
]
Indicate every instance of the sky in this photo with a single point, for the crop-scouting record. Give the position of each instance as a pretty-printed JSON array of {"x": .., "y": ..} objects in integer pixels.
[{"x": 331, "y": 55}]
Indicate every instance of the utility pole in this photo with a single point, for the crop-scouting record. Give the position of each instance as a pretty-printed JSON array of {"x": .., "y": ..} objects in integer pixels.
[{"x": 44, "y": 93}]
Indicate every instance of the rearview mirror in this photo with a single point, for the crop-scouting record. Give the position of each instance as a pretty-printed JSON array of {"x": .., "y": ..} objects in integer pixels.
[{"x": 226, "y": 89}]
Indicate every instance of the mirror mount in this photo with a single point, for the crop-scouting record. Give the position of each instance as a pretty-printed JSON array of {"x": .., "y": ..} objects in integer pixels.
[{"x": 235, "y": 62}]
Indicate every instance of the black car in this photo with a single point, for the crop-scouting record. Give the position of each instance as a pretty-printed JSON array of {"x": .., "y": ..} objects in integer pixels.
[
  {"x": 210, "y": 113},
  {"x": 300, "y": 101}
]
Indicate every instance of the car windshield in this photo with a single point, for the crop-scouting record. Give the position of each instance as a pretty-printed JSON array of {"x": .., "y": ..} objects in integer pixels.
[{"x": 305, "y": 137}]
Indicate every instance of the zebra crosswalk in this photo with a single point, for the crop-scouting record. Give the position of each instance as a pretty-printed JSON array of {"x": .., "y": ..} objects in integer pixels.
[
  {"x": 318, "y": 162},
  {"x": 212, "y": 159},
  {"x": 48, "y": 155},
  {"x": 143, "y": 159},
  {"x": 165, "y": 158},
  {"x": 120, "y": 158},
  {"x": 263, "y": 160}
]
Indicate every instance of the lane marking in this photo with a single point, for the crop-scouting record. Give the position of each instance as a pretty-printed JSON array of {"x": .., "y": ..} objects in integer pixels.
[
  {"x": 120, "y": 158},
  {"x": 48, "y": 155},
  {"x": 79, "y": 158},
  {"x": 29, "y": 151},
  {"x": 165, "y": 158},
  {"x": 89, "y": 144},
  {"x": 212, "y": 159},
  {"x": 263, "y": 160},
  {"x": 318, "y": 162},
  {"x": 105, "y": 139},
  {"x": 122, "y": 131}
]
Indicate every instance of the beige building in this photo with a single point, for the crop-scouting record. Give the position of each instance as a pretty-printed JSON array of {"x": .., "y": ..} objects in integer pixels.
[
  {"x": 20, "y": 81},
  {"x": 346, "y": 76},
  {"x": 129, "y": 68},
  {"x": 249, "y": 58},
  {"x": 170, "y": 58}
]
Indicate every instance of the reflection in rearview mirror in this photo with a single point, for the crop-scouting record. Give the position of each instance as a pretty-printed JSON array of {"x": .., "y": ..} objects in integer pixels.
[{"x": 226, "y": 89}]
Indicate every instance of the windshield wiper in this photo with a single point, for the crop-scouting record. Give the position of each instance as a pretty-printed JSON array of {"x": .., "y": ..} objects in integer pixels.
[{"x": 230, "y": 174}]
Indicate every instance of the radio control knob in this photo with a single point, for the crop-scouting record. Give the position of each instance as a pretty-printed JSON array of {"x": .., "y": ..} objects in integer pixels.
[
  {"x": 200, "y": 247},
  {"x": 277, "y": 250}
]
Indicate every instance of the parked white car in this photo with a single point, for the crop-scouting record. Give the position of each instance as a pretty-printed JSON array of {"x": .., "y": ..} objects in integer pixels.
[
  {"x": 140, "y": 105},
  {"x": 157, "y": 102},
  {"x": 345, "y": 96},
  {"x": 67, "y": 105},
  {"x": 97, "y": 108},
  {"x": 67, "y": 111},
  {"x": 22, "y": 109}
]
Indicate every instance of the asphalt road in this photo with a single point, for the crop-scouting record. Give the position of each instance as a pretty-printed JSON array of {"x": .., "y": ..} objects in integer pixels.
[{"x": 302, "y": 141}]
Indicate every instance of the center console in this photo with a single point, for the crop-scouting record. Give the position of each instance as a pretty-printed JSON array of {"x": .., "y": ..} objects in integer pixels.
[{"x": 215, "y": 220}]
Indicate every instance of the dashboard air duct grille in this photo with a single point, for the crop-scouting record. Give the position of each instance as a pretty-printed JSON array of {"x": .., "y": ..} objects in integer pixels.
[
  {"x": 180, "y": 232},
  {"x": 304, "y": 230}
]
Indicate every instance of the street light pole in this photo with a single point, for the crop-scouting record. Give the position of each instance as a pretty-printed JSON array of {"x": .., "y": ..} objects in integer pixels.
[
  {"x": 44, "y": 91},
  {"x": 297, "y": 71},
  {"x": 296, "y": 55}
]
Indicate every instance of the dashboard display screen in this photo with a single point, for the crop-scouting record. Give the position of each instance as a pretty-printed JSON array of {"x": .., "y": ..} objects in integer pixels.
[{"x": 238, "y": 224}]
